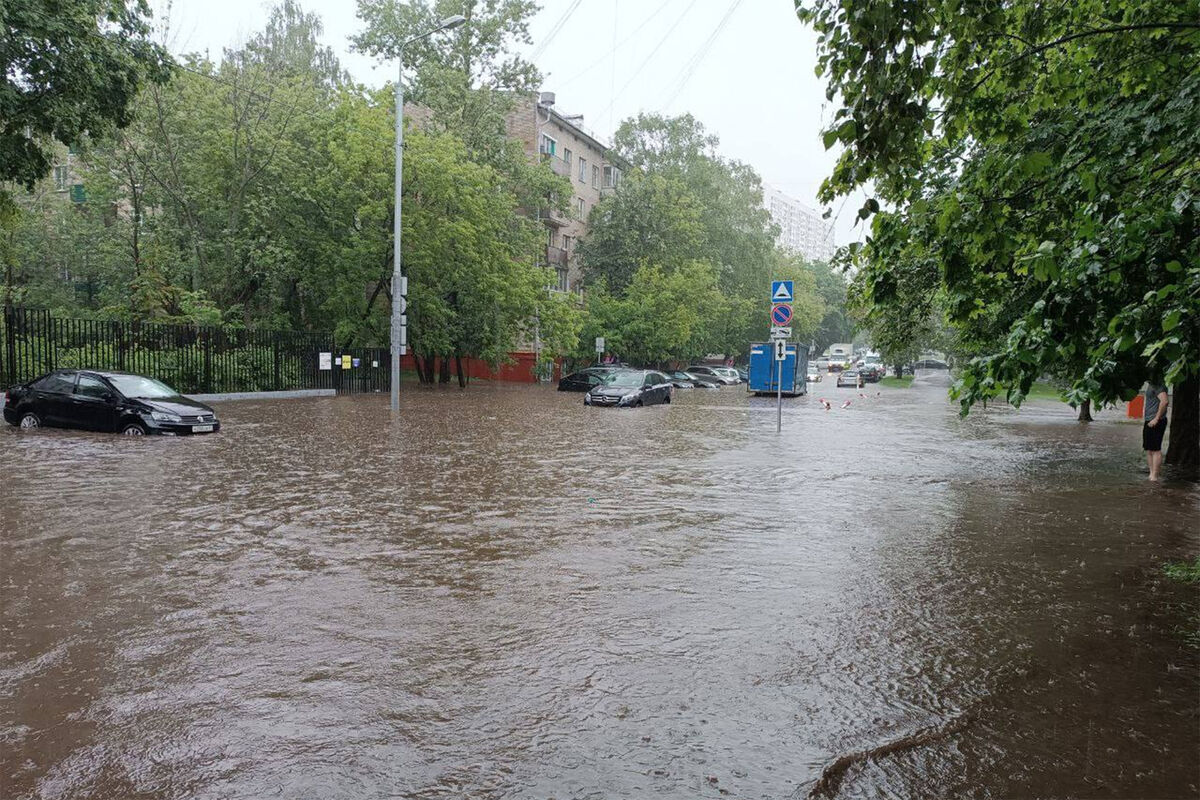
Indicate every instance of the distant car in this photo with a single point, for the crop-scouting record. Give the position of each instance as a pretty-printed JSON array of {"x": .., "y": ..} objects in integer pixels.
[
  {"x": 584, "y": 379},
  {"x": 686, "y": 380},
  {"x": 115, "y": 402},
  {"x": 850, "y": 378},
  {"x": 822, "y": 364},
  {"x": 871, "y": 373},
  {"x": 931, "y": 363},
  {"x": 729, "y": 372},
  {"x": 630, "y": 388},
  {"x": 836, "y": 365},
  {"x": 814, "y": 373},
  {"x": 713, "y": 373},
  {"x": 744, "y": 374}
]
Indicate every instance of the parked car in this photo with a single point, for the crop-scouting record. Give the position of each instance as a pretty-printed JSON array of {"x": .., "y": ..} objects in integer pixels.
[
  {"x": 871, "y": 373},
  {"x": 822, "y": 364},
  {"x": 744, "y": 374},
  {"x": 686, "y": 380},
  {"x": 849, "y": 377},
  {"x": 729, "y": 372},
  {"x": 106, "y": 401},
  {"x": 814, "y": 373},
  {"x": 629, "y": 388},
  {"x": 931, "y": 363},
  {"x": 713, "y": 373},
  {"x": 584, "y": 379}
]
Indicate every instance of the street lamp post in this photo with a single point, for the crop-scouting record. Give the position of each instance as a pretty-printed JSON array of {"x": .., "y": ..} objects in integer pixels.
[{"x": 398, "y": 293}]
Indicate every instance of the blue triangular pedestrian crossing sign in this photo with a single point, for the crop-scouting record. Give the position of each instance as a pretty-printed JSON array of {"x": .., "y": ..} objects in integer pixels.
[{"x": 781, "y": 291}]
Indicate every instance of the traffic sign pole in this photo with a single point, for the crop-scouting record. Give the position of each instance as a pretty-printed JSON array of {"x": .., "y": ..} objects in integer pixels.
[{"x": 779, "y": 396}]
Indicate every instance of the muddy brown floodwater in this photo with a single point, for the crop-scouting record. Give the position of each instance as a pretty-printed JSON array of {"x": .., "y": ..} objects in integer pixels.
[{"x": 508, "y": 595}]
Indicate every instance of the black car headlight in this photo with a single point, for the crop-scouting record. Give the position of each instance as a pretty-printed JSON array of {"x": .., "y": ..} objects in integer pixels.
[{"x": 165, "y": 416}]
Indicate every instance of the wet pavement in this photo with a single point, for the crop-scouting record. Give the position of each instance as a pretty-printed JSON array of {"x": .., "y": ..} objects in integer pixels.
[{"x": 508, "y": 595}]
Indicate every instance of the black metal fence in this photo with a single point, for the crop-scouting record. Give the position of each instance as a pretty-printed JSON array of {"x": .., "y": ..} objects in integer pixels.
[{"x": 187, "y": 357}]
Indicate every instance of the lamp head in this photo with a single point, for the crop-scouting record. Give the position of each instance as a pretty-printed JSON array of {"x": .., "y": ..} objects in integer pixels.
[{"x": 452, "y": 22}]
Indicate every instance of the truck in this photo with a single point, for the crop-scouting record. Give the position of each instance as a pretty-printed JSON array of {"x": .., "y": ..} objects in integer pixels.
[
  {"x": 840, "y": 351},
  {"x": 764, "y": 370}
]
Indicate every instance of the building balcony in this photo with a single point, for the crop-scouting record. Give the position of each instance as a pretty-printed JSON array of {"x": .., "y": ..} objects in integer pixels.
[
  {"x": 556, "y": 218},
  {"x": 556, "y": 256},
  {"x": 557, "y": 165}
]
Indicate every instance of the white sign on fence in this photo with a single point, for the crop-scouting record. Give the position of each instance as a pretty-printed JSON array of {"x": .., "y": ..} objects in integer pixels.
[{"x": 325, "y": 361}]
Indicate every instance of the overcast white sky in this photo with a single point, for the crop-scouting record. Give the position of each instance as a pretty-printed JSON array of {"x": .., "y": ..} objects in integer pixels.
[{"x": 754, "y": 85}]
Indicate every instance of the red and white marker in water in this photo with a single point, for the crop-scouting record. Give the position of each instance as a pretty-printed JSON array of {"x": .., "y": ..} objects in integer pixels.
[
  {"x": 846, "y": 404},
  {"x": 825, "y": 403}
]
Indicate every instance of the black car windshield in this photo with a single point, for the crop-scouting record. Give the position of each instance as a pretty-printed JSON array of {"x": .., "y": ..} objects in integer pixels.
[
  {"x": 137, "y": 386},
  {"x": 624, "y": 380}
]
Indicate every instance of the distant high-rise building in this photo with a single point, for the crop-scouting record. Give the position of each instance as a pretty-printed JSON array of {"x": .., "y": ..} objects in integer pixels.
[{"x": 801, "y": 229}]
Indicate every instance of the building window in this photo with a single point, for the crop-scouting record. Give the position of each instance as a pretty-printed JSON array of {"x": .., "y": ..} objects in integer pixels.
[
  {"x": 612, "y": 176},
  {"x": 579, "y": 206},
  {"x": 582, "y": 169},
  {"x": 552, "y": 239},
  {"x": 567, "y": 157},
  {"x": 60, "y": 178},
  {"x": 562, "y": 280},
  {"x": 595, "y": 177},
  {"x": 548, "y": 145},
  {"x": 567, "y": 242}
]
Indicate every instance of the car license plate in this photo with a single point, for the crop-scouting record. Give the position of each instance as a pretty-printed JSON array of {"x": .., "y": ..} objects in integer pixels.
[{"x": 202, "y": 428}]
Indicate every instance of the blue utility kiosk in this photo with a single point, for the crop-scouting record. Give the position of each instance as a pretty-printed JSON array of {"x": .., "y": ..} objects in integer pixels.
[{"x": 764, "y": 370}]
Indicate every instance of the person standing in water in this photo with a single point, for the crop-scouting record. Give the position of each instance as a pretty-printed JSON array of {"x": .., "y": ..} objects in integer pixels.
[{"x": 1154, "y": 425}]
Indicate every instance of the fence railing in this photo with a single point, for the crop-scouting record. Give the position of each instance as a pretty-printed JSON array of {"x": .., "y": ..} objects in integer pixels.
[{"x": 189, "y": 358}]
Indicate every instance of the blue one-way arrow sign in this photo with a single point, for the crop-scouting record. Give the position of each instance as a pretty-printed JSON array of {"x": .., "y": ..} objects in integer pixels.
[{"x": 781, "y": 291}]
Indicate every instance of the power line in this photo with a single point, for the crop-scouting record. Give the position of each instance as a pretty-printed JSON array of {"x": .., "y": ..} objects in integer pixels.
[
  {"x": 637, "y": 73},
  {"x": 685, "y": 74},
  {"x": 554, "y": 31},
  {"x": 618, "y": 46}
]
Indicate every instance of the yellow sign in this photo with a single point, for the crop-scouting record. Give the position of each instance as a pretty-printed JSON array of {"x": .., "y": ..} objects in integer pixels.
[{"x": 345, "y": 362}]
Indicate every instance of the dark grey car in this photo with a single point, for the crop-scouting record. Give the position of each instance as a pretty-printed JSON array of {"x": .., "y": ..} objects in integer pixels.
[{"x": 630, "y": 388}]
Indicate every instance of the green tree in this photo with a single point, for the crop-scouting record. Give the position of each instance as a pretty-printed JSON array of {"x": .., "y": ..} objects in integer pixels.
[
  {"x": 70, "y": 70},
  {"x": 1045, "y": 160},
  {"x": 651, "y": 219}
]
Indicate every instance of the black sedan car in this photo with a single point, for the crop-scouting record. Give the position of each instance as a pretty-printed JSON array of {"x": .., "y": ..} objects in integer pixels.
[
  {"x": 630, "y": 388},
  {"x": 584, "y": 379},
  {"x": 106, "y": 401}
]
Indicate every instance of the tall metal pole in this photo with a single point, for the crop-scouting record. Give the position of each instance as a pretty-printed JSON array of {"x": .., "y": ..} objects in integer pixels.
[
  {"x": 779, "y": 393},
  {"x": 397, "y": 276},
  {"x": 398, "y": 302}
]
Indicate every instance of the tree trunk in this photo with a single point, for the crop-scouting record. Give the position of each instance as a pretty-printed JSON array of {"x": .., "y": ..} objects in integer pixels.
[
  {"x": 462, "y": 378},
  {"x": 899, "y": 370},
  {"x": 445, "y": 372},
  {"x": 429, "y": 365},
  {"x": 1085, "y": 411},
  {"x": 1185, "y": 426}
]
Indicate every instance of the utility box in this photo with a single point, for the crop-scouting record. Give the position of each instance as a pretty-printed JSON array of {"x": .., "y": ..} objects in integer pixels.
[{"x": 764, "y": 370}]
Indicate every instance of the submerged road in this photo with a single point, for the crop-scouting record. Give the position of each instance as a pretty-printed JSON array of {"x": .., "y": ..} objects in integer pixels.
[{"x": 508, "y": 595}]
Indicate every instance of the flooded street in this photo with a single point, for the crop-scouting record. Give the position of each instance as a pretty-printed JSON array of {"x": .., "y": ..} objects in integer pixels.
[{"x": 509, "y": 595}]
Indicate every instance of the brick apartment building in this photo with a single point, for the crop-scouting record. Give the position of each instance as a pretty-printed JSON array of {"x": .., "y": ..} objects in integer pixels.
[{"x": 575, "y": 153}]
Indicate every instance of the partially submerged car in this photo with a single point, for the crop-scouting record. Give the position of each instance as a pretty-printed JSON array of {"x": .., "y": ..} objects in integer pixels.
[
  {"x": 117, "y": 402},
  {"x": 850, "y": 377},
  {"x": 630, "y": 388},
  {"x": 584, "y": 379},
  {"x": 686, "y": 380},
  {"x": 713, "y": 373}
]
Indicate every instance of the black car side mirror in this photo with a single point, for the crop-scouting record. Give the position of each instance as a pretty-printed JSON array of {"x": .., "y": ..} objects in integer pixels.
[{"x": 108, "y": 397}]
